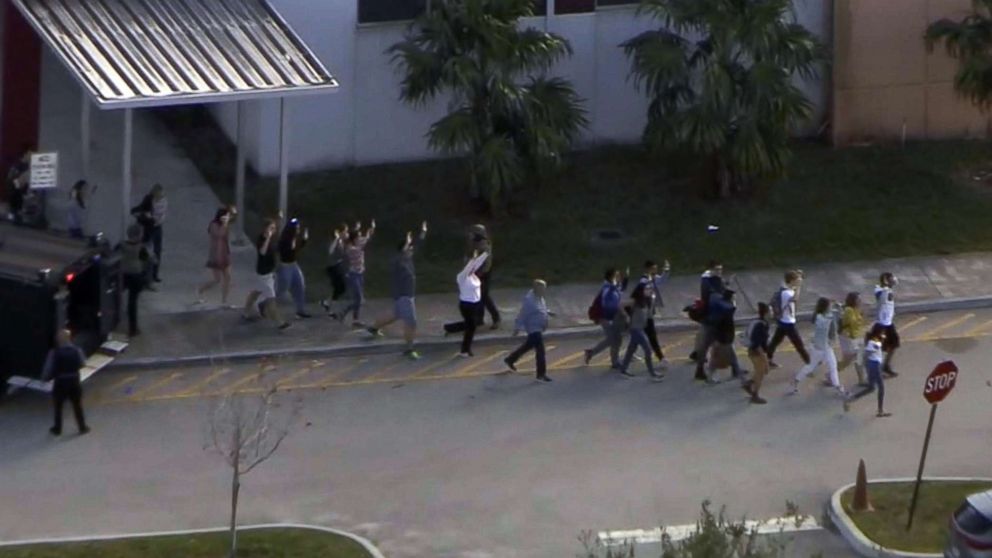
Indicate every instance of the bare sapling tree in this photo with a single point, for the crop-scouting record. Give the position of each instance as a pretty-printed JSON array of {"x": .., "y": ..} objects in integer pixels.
[{"x": 247, "y": 431}]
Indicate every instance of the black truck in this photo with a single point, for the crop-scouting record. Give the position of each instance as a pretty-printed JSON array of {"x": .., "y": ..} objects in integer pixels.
[{"x": 49, "y": 281}]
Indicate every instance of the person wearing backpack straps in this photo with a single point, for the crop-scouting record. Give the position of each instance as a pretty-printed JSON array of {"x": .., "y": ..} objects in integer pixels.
[
  {"x": 784, "y": 306},
  {"x": 711, "y": 281},
  {"x": 757, "y": 351},
  {"x": 611, "y": 318}
]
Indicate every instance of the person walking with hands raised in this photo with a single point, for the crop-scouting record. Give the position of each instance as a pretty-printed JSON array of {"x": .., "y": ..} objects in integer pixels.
[
  {"x": 219, "y": 258},
  {"x": 289, "y": 276},
  {"x": 354, "y": 250},
  {"x": 469, "y": 302},
  {"x": 404, "y": 286}
]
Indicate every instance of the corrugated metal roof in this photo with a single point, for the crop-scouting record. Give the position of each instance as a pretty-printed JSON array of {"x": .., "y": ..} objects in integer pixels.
[{"x": 140, "y": 53}]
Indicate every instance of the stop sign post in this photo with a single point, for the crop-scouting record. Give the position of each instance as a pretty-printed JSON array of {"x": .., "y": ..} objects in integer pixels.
[{"x": 938, "y": 384}]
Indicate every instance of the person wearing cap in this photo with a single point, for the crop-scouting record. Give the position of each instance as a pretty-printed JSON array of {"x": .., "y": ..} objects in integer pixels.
[
  {"x": 479, "y": 241},
  {"x": 62, "y": 366},
  {"x": 135, "y": 260},
  {"x": 532, "y": 320}
]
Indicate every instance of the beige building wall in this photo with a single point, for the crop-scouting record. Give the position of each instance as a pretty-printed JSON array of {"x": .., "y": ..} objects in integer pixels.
[{"x": 884, "y": 80}]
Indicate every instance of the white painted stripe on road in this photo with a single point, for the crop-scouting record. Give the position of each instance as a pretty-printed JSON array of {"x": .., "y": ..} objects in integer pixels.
[{"x": 787, "y": 524}]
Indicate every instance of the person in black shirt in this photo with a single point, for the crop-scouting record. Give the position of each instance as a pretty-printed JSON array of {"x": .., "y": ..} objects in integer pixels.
[
  {"x": 757, "y": 351},
  {"x": 289, "y": 276},
  {"x": 264, "y": 291},
  {"x": 62, "y": 367}
]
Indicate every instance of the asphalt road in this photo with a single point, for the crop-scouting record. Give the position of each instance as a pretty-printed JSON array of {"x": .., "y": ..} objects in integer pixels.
[{"x": 454, "y": 458}]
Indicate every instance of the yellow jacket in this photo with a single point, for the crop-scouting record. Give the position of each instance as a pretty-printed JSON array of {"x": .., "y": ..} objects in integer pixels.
[{"x": 852, "y": 323}]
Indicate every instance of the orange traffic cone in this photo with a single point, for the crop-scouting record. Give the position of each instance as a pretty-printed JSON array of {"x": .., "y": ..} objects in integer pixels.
[{"x": 861, "y": 502}]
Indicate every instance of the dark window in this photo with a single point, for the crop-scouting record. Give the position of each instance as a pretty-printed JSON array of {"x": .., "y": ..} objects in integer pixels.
[
  {"x": 616, "y": 2},
  {"x": 373, "y": 11},
  {"x": 574, "y": 6},
  {"x": 540, "y": 7}
]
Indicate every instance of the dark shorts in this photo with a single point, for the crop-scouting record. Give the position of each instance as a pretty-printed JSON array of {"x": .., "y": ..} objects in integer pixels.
[
  {"x": 405, "y": 310},
  {"x": 891, "y": 337}
]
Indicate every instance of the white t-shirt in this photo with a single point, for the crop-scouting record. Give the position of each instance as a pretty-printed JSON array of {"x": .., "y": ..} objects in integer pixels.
[
  {"x": 886, "y": 302},
  {"x": 788, "y": 306},
  {"x": 873, "y": 351}
]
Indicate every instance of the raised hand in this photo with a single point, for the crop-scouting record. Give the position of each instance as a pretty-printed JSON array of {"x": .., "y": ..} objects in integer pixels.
[{"x": 423, "y": 227}]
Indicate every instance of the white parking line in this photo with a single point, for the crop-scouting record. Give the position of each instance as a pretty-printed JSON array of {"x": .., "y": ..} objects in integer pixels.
[{"x": 787, "y": 524}]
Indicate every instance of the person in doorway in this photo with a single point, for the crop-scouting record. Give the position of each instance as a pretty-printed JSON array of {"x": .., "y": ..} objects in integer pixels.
[
  {"x": 885, "y": 301},
  {"x": 469, "y": 302},
  {"x": 532, "y": 320},
  {"x": 651, "y": 283},
  {"x": 150, "y": 214},
  {"x": 852, "y": 331},
  {"x": 404, "y": 288},
  {"x": 757, "y": 351},
  {"x": 639, "y": 317},
  {"x": 784, "y": 307},
  {"x": 337, "y": 268},
  {"x": 219, "y": 258},
  {"x": 289, "y": 276},
  {"x": 76, "y": 214},
  {"x": 824, "y": 333},
  {"x": 479, "y": 241},
  {"x": 264, "y": 292},
  {"x": 18, "y": 183},
  {"x": 355, "y": 253},
  {"x": 62, "y": 366},
  {"x": 874, "y": 348},
  {"x": 613, "y": 320},
  {"x": 135, "y": 261}
]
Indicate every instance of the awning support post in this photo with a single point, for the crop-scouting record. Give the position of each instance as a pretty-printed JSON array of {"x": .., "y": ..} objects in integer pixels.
[
  {"x": 85, "y": 132},
  {"x": 239, "y": 178},
  {"x": 283, "y": 160},
  {"x": 126, "y": 179}
]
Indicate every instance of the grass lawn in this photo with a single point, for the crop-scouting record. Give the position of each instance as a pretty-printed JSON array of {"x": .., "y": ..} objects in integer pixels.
[
  {"x": 887, "y": 524},
  {"x": 261, "y": 543},
  {"x": 837, "y": 204}
]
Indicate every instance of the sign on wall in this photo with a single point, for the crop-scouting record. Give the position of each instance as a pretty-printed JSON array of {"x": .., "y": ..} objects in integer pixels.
[{"x": 44, "y": 171}]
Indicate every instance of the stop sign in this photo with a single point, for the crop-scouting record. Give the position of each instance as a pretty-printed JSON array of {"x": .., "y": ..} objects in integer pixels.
[{"x": 940, "y": 382}]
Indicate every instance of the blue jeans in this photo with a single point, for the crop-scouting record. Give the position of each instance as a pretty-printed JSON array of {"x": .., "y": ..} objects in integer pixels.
[
  {"x": 638, "y": 339},
  {"x": 290, "y": 276},
  {"x": 356, "y": 292},
  {"x": 874, "y": 379}
]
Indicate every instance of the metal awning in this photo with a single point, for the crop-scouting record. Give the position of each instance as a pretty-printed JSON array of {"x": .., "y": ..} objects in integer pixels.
[{"x": 149, "y": 53}]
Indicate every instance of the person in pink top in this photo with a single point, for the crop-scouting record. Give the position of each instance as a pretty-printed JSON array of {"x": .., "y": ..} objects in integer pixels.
[
  {"x": 219, "y": 257},
  {"x": 354, "y": 250}
]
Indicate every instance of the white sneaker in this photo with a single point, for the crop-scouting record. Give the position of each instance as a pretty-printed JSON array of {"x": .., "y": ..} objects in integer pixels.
[
  {"x": 663, "y": 364},
  {"x": 794, "y": 390}
]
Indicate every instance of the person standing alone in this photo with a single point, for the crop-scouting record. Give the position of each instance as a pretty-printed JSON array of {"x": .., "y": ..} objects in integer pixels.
[
  {"x": 533, "y": 320},
  {"x": 62, "y": 366}
]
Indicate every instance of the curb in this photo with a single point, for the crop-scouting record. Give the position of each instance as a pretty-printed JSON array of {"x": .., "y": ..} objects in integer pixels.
[
  {"x": 389, "y": 346},
  {"x": 859, "y": 541},
  {"x": 366, "y": 544}
]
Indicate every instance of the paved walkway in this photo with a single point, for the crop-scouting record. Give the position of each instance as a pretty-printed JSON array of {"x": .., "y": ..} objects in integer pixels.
[{"x": 930, "y": 283}]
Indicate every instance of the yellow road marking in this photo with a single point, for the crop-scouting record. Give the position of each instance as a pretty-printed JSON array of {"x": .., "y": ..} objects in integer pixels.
[
  {"x": 141, "y": 393},
  {"x": 425, "y": 371},
  {"x": 293, "y": 376},
  {"x": 563, "y": 361},
  {"x": 477, "y": 364},
  {"x": 532, "y": 355},
  {"x": 978, "y": 330},
  {"x": 911, "y": 323},
  {"x": 121, "y": 383},
  {"x": 330, "y": 377},
  {"x": 683, "y": 341},
  {"x": 206, "y": 381},
  {"x": 944, "y": 327},
  {"x": 232, "y": 388}
]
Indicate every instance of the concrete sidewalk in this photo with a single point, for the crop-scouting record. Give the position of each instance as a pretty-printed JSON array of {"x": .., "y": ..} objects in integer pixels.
[{"x": 925, "y": 284}]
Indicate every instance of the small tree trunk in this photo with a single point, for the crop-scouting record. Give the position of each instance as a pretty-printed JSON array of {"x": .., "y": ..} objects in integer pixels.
[{"x": 235, "y": 489}]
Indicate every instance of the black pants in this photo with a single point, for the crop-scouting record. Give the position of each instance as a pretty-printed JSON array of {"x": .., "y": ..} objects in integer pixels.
[
  {"x": 534, "y": 341},
  {"x": 134, "y": 283},
  {"x": 653, "y": 339},
  {"x": 487, "y": 300},
  {"x": 471, "y": 317},
  {"x": 336, "y": 273},
  {"x": 155, "y": 237},
  {"x": 70, "y": 389},
  {"x": 783, "y": 330}
]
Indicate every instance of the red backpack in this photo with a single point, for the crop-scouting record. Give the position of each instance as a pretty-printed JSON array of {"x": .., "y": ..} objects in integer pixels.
[{"x": 595, "y": 312}]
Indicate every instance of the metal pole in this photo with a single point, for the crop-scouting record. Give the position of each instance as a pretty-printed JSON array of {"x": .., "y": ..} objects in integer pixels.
[
  {"x": 126, "y": 179},
  {"x": 239, "y": 177},
  {"x": 919, "y": 473},
  {"x": 549, "y": 11},
  {"x": 283, "y": 160},
  {"x": 85, "y": 132}
]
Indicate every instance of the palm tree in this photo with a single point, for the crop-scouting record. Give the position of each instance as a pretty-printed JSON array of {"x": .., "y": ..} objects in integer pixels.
[
  {"x": 720, "y": 74},
  {"x": 970, "y": 41},
  {"x": 512, "y": 121}
]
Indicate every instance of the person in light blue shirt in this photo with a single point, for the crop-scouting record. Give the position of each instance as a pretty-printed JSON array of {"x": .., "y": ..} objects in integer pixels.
[{"x": 532, "y": 320}]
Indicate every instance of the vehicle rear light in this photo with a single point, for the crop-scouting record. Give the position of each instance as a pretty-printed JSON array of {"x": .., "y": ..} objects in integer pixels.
[{"x": 69, "y": 277}]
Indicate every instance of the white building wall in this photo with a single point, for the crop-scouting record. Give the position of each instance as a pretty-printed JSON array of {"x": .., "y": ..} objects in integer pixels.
[{"x": 366, "y": 123}]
